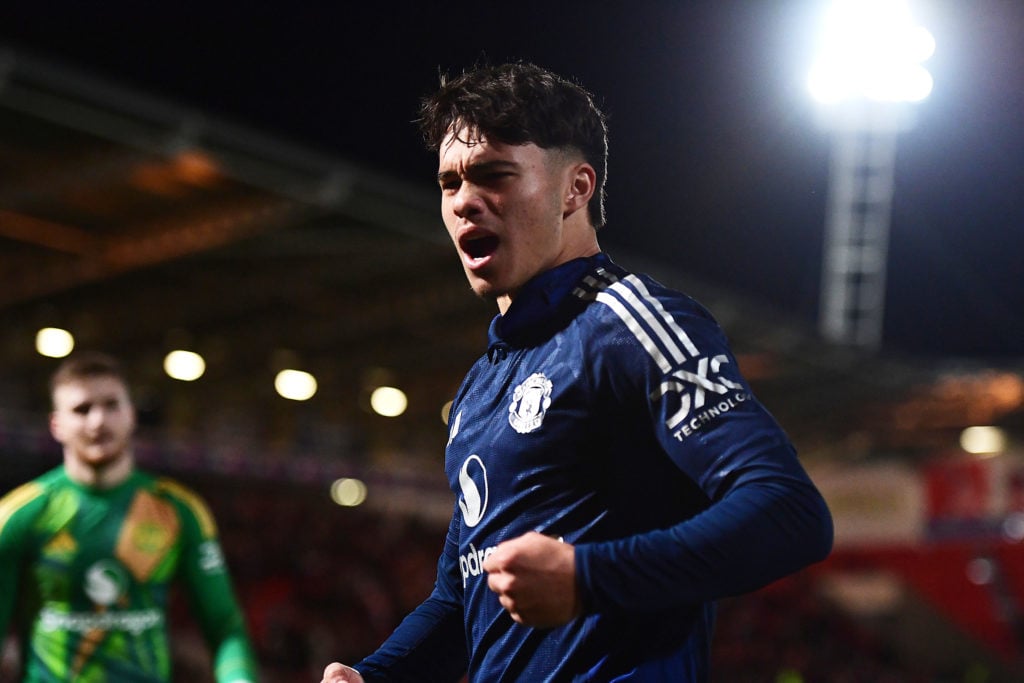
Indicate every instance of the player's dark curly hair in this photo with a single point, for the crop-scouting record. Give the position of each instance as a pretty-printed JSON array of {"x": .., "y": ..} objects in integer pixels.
[{"x": 520, "y": 103}]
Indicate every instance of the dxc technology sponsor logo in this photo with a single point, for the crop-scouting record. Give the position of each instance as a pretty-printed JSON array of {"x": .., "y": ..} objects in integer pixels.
[{"x": 693, "y": 388}]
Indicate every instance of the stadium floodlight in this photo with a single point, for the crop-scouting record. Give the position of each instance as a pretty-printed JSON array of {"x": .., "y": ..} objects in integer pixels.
[
  {"x": 983, "y": 440},
  {"x": 871, "y": 49},
  {"x": 295, "y": 385},
  {"x": 54, "y": 342},
  {"x": 186, "y": 366},
  {"x": 388, "y": 401},
  {"x": 348, "y": 492},
  {"x": 867, "y": 73}
]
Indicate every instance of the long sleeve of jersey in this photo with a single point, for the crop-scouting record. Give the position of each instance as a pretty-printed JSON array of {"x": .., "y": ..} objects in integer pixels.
[
  {"x": 8, "y": 590},
  {"x": 429, "y": 644},
  {"x": 17, "y": 508},
  {"x": 764, "y": 518},
  {"x": 760, "y": 530}
]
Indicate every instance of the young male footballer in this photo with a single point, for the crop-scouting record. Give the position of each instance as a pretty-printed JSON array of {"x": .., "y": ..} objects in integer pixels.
[{"x": 613, "y": 473}]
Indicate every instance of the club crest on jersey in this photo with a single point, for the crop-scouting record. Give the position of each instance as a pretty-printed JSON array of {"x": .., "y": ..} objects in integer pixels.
[{"x": 530, "y": 402}]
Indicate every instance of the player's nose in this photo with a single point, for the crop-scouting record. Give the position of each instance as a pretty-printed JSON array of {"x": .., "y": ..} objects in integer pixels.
[{"x": 467, "y": 201}]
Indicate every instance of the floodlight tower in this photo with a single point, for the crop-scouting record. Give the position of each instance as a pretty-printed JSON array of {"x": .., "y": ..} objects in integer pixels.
[{"x": 866, "y": 75}]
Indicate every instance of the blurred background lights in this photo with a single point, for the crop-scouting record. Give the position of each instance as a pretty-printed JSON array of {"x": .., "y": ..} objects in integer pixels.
[
  {"x": 871, "y": 49},
  {"x": 186, "y": 366},
  {"x": 348, "y": 492},
  {"x": 388, "y": 401},
  {"x": 983, "y": 440},
  {"x": 54, "y": 342},
  {"x": 295, "y": 385},
  {"x": 1013, "y": 527},
  {"x": 980, "y": 571}
]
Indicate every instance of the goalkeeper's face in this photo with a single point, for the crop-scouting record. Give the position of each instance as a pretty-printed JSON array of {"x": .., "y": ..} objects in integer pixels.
[{"x": 93, "y": 418}]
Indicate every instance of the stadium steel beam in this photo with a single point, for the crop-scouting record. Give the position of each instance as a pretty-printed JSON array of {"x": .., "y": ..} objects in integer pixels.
[
  {"x": 78, "y": 101},
  {"x": 33, "y": 278}
]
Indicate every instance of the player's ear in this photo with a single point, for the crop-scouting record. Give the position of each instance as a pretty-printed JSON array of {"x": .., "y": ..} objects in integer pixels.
[
  {"x": 582, "y": 182},
  {"x": 55, "y": 427}
]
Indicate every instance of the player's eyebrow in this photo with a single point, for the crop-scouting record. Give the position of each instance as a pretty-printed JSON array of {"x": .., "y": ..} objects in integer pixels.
[{"x": 477, "y": 168}]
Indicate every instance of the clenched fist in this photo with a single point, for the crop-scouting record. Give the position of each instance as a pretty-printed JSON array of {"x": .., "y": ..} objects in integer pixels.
[
  {"x": 339, "y": 673},
  {"x": 535, "y": 578}
]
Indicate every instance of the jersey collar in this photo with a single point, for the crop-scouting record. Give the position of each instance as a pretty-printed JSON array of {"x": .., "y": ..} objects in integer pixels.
[{"x": 543, "y": 306}]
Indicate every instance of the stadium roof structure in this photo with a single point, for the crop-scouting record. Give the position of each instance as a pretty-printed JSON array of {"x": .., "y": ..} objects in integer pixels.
[{"x": 143, "y": 225}]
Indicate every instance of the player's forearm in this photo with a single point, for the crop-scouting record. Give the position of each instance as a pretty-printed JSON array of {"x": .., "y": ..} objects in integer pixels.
[
  {"x": 756, "y": 534},
  {"x": 429, "y": 645}
]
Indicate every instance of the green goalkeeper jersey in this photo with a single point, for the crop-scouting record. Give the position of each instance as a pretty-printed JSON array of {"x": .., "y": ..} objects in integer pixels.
[{"x": 85, "y": 575}]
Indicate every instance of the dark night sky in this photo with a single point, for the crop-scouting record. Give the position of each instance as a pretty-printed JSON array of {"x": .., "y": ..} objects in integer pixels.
[{"x": 717, "y": 163}]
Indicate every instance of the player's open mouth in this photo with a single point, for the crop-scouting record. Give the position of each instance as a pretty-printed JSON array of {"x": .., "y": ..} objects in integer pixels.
[{"x": 478, "y": 248}]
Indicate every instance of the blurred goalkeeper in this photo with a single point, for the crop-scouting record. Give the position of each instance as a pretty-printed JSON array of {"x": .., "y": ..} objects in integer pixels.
[{"x": 88, "y": 551}]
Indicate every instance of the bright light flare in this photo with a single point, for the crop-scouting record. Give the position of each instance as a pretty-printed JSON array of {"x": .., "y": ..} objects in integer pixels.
[
  {"x": 186, "y": 366},
  {"x": 1013, "y": 527},
  {"x": 388, "y": 401},
  {"x": 980, "y": 571},
  {"x": 54, "y": 342},
  {"x": 983, "y": 440},
  {"x": 295, "y": 385},
  {"x": 348, "y": 492},
  {"x": 871, "y": 49}
]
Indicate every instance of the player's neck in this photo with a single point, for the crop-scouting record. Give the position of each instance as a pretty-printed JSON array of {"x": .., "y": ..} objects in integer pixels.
[{"x": 104, "y": 476}]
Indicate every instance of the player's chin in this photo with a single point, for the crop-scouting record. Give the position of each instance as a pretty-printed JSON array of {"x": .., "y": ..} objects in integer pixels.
[
  {"x": 483, "y": 288},
  {"x": 100, "y": 456}
]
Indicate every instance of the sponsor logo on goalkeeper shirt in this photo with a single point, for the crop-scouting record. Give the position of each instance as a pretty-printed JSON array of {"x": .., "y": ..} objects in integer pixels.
[
  {"x": 130, "y": 621},
  {"x": 211, "y": 558},
  {"x": 105, "y": 582}
]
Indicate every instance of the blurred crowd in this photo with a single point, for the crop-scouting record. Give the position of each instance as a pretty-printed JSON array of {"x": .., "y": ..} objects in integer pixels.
[{"x": 321, "y": 583}]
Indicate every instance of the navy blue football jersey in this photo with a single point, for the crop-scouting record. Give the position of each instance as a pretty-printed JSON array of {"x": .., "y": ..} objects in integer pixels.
[{"x": 608, "y": 412}]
